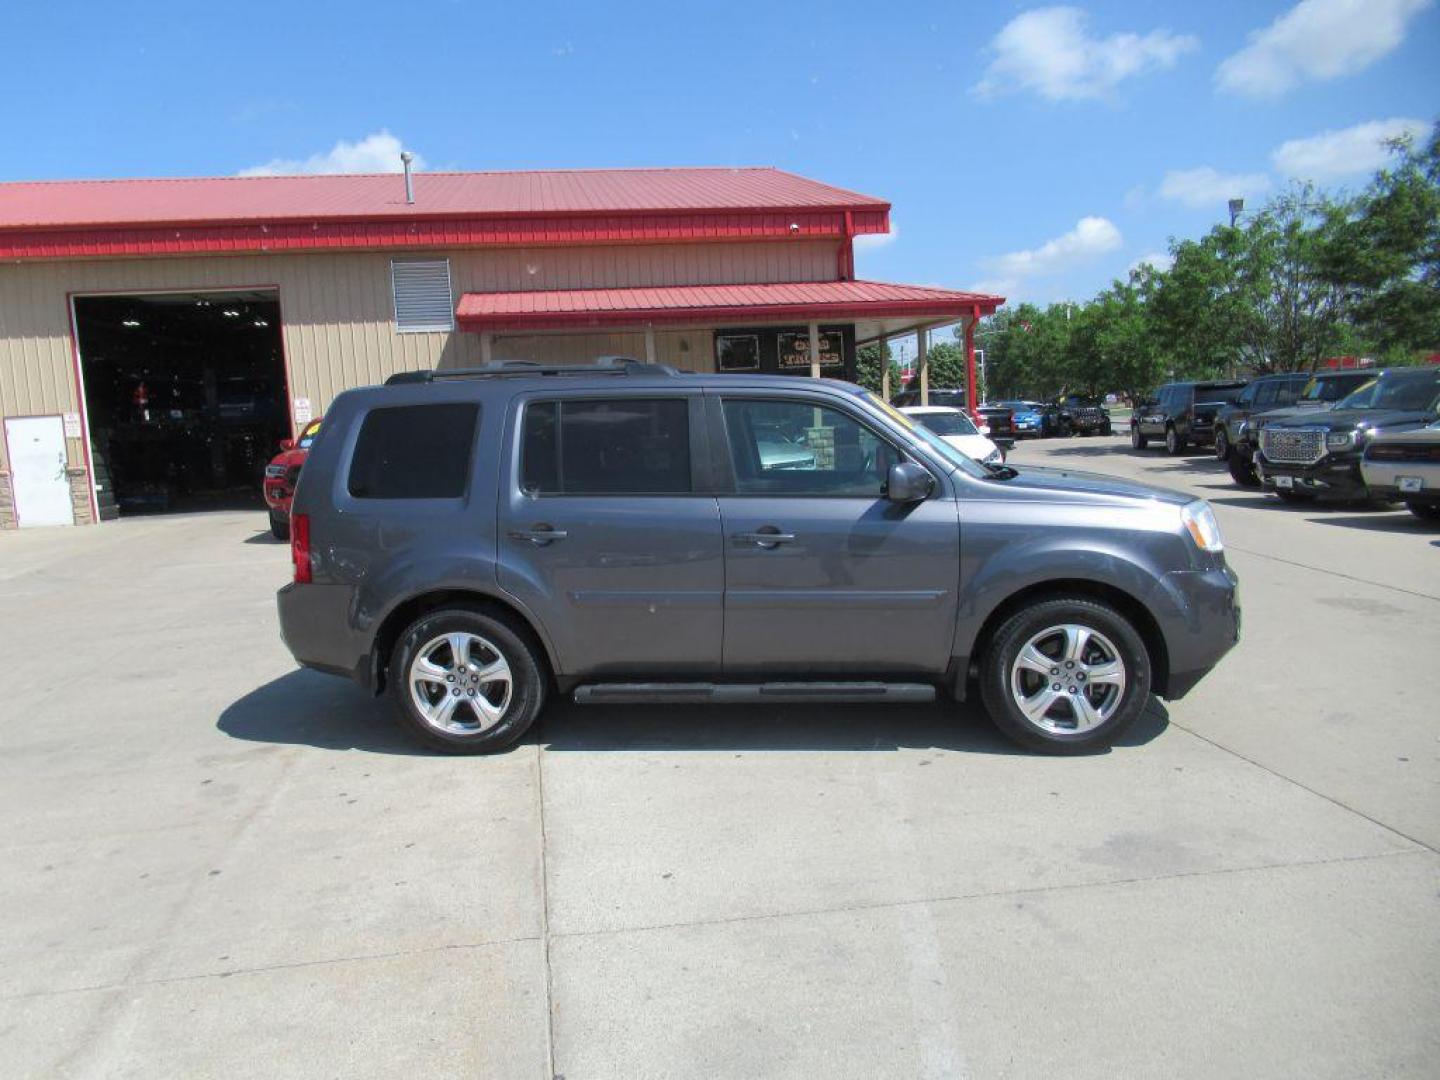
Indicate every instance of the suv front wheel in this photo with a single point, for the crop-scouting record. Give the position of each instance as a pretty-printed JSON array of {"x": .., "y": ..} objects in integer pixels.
[
  {"x": 1174, "y": 444},
  {"x": 1065, "y": 676},
  {"x": 465, "y": 682},
  {"x": 1137, "y": 440}
]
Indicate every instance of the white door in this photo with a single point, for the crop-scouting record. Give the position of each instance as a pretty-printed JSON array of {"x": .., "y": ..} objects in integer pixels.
[{"x": 37, "y": 470}]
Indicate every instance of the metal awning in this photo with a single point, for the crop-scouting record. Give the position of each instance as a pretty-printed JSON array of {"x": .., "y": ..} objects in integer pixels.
[{"x": 889, "y": 307}]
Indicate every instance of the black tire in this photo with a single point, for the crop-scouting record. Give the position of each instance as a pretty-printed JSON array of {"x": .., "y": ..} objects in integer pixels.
[
  {"x": 1107, "y": 430},
  {"x": 1174, "y": 444},
  {"x": 526, "y": 693},
  {"x": 1137, "y": 441},
  {"x": 1222, "y": 445},
  {"x": 1424, "y": 511},
  {"x": 1242, "y": 470},
  {"x": 279, "y": 526},
  {"x": 1016, "y": 632}
]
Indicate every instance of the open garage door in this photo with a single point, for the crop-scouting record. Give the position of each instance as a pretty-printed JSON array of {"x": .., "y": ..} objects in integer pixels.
[{"x": 185, "y": 396}]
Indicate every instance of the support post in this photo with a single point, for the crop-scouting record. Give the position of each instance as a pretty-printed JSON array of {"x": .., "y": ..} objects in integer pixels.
[
  {"x": 884, "y": 370},
  {"x": 649, "y": 344},
  {"x": 814, "y": 350},
  {"x": 922, "y": 356},
  {"x": 487, "y": 347},
  {"x": 971, "y": 403}
]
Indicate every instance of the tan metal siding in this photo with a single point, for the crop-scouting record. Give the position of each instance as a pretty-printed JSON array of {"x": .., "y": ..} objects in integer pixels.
[{"x": 336, "y": 309}]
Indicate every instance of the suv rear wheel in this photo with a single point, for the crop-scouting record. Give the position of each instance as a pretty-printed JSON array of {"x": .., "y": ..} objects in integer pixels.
[
  {"x": 466, "y": 682},
  {"x": 1065, "y": 676}
]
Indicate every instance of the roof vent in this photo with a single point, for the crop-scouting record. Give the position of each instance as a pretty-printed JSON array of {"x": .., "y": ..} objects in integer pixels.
[{"x": 406, "y": 157}]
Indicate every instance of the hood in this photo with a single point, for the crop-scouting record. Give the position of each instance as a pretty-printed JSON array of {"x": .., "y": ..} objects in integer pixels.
[
  {"x": 972, "y": 446},
  {"x": 1062, "y": 485},
  {"x": 290, "y": 457},
  {"x": 1349, "y": 419}
]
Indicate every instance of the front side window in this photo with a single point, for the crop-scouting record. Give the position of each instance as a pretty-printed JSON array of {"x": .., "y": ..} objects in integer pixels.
[
  {"x": 1264, "y": 394},
  {"x": 606, "y": 447},
  {"x": 414, "y": 452},
  {"x": 796, "y": 448}
]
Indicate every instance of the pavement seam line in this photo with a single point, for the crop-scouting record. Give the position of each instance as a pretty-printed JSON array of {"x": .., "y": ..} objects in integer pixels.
[
  {"x": 545, "y": 910},
  {"x": 1307, "y": 788},
  {"x": 1335, "y": 573},
  {"x": 884, "y": 905},
  {"x": 265, "y": 969}
]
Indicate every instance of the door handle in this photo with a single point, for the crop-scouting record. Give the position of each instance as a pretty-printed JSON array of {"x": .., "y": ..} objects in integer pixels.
[
  {"x": 766, "y": 538},
  {"x": 539, "y": 536}
]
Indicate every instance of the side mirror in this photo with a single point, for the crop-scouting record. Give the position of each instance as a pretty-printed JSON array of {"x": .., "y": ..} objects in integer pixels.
[
  {"x": 909, "y": 483},
  {"x": 287, "y": 444}
]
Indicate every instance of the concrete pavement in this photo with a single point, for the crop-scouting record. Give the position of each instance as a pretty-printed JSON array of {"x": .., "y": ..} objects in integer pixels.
[{"x": 216, "y": 865}]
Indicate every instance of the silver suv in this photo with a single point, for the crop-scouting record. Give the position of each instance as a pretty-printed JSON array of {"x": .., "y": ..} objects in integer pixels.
[{"x": 473, "y": 542}]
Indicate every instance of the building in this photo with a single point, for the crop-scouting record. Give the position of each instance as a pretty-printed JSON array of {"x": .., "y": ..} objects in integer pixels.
[{"x": 159, "y": 337}]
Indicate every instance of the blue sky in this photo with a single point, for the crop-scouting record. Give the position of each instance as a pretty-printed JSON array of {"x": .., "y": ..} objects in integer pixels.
[{"x": 1037, "y": 150}]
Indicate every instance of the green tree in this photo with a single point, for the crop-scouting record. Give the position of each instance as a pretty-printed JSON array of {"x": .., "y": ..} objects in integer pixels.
[
  {"x": 1383, "y": 252},
  {"x": 1112, "y": 345},
  {"x": 868, "y": 369}
]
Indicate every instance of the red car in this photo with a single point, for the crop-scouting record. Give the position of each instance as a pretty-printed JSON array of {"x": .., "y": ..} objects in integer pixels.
[{"x": 281, "y": 475}]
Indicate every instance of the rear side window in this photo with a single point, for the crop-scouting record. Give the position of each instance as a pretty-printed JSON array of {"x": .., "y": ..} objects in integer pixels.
[
  {"x": 606, "y": 447},
  {"x": 414, "y": 452}
]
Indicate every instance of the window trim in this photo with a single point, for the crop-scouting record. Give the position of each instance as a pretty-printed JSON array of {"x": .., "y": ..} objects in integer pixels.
[
  {"x": 724, "y": 462},
  {"x": 701, "y": 485}
]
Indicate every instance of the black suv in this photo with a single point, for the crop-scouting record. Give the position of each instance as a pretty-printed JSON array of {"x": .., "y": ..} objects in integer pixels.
[
  {"x": 1318, "y": 455},
  {"x": 1182, "y": 413},
  {"x": 1085, "y": 415},
  {"x": 1240, "y": 423},
  {"x": 478, "y": 541}
]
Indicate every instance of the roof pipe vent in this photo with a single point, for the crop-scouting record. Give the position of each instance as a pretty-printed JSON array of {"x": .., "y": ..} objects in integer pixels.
[{"x": 406, "y": 157}]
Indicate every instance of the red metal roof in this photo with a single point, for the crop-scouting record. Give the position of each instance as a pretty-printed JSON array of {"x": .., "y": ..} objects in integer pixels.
[
  {"x": 59, "y": 219},
  {"x": 822, "y": 300},
  {"x": 67, "y": 203}
]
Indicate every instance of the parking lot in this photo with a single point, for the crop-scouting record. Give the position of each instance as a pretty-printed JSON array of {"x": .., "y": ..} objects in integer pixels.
[{"x": 217, "y": 865}]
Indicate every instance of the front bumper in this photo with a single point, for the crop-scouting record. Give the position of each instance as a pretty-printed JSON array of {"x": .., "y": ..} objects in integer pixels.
[
  {"x": 1205, "y": 627},
  {"x": 1382, "y": 478},
  {"x": 1332, "y": 477},
  {"x": 278, "y": 497}
]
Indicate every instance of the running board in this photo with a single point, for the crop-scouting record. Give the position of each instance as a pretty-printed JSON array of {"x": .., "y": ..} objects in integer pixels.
[{"x": 749, "y": 693}]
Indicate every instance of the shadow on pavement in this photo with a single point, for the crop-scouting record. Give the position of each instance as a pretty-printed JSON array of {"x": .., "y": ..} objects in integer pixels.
[
  {"x": 1379, "y": 521},
  {"x": 941, "y": 726},
  {"x": 310, "y": 709}
]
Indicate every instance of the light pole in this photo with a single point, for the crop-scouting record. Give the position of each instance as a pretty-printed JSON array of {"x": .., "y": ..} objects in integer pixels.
[{"x": 1237, "y": 207}]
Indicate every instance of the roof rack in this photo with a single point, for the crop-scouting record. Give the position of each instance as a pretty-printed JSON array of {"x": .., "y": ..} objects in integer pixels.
[{"x": 604, "y": 365}]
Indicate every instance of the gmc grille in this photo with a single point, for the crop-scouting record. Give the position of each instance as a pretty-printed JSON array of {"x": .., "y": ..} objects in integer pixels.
[{"x": 1293, "y": 446}]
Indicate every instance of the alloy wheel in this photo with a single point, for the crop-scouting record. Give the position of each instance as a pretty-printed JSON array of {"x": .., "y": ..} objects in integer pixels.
[
  {"x": 1068, "y": 679},
  {"x": 460, "y": 683}
]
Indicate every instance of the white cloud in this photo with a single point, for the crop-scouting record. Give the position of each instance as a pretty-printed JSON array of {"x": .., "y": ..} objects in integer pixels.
[
  {"x": 1316, "y": 40},
  {"x": 1050, "y": 51},
  {"x": 1090, "y": 238},
  {"x": 1348, "y": 152},
  {"x": 1160, "y": 260},
  {"x": 376, "y": 153},
  {"x": 1199, "y": 188},
  {"x": 871, "y": 241}
]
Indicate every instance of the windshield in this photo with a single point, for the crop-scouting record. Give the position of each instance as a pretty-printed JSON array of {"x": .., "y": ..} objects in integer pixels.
[
  {"x": 937, "y": 445},
  {"x": 308, "y": 435},
  {"x": 1318, "y": 389},
  {"x": 947, "y": 423},
  {"x": 1408, "y": 392}
]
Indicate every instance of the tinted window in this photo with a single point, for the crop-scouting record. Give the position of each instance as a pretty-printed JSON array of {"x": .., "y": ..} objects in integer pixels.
[
  {"x": 1264, "y": 393},
  {"x": 414, "y": 452},
  {"x": 1251, "y": 394},
  {"x": 947, "y": 423},
  {"x": 609, "y": 447},
  {"x": 1217, "y": 393},
  {"x": 1288, "y": 392},
  {"x": 796, "y": 448}
]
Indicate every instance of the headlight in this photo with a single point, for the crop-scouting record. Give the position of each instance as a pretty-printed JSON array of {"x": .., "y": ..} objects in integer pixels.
[
  {"x": 1339, "y": 440},
  {"x": 993, "y": 458},
  {"x": 1200, "y": 522},
  {"x": 274, "y": 470},
  {"x": 1244, "y": 426}
]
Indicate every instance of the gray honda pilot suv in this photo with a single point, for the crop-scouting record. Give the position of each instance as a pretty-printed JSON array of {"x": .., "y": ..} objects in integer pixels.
[{"x": 474, "y": 541}]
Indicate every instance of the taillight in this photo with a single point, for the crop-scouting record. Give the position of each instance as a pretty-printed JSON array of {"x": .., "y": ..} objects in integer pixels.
[{"x": 300, "y": 547}]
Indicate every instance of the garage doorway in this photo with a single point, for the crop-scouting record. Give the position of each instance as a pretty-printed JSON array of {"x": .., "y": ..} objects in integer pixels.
[{"x": 185, "y": 396}]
